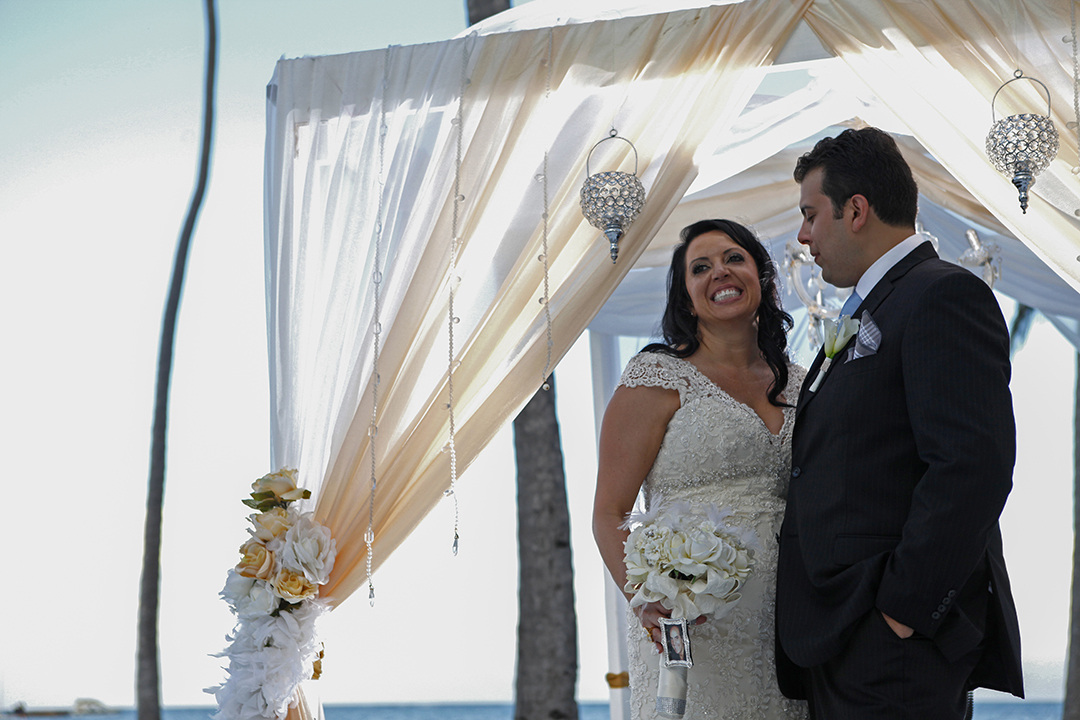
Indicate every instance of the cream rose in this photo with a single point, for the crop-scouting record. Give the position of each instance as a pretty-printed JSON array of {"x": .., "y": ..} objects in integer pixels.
[
  {"x": 282, "y": 484},
  {"x": 270, "y": 524},
  {"x": 293, "y": 586},
  {"x": 698, "y": 549},
  {"x": 255, "y": 561}
]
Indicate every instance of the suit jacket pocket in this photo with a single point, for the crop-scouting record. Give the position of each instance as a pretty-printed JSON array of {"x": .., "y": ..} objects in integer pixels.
[
  {"x": 867, "y": 363},
  {"x": 850, "y": 549}
]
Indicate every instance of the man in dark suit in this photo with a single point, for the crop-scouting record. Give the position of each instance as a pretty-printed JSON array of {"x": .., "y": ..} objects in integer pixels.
[{"x": 892, "y": 595}]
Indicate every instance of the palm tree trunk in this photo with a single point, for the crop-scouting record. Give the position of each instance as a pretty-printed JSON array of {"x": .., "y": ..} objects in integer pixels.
[
  {"x": 1071, "y": 709},
  {"x": 482, "y": 9},
  {"x": 547, "y": 625},
  {"x": 148, "y": 682}
]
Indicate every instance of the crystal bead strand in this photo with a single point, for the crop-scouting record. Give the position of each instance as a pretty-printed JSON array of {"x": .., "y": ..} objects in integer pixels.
[
  {"x": 1076, "y": 87},
  {"x": 376, "y": 284},
  {"x": 546, "y": 301},
  {"x": 452, "y": 319}
]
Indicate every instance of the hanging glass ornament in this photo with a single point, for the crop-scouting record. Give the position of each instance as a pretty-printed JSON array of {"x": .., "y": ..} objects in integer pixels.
[
  {"x": 611, "y": 200},
  {"x": 1022, "y": 145},
  {"x": 986, "y": 256}
]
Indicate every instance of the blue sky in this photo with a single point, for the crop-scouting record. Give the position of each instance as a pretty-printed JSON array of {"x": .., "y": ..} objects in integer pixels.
[{"x": 100, "y": 106}]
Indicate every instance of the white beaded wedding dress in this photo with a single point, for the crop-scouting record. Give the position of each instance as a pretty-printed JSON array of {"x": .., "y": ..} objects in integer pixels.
[{"x": 718, "y": 450}]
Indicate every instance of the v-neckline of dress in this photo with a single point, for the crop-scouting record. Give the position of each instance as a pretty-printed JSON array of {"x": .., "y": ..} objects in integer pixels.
[{"x": 747, "y": 408}]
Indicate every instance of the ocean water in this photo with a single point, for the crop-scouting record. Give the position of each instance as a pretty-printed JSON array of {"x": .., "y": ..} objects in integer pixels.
[{"x": 587, "y": 711}]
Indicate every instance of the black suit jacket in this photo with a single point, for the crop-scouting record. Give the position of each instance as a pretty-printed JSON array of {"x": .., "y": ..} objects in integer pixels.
[{"x": 901, "y": 465}]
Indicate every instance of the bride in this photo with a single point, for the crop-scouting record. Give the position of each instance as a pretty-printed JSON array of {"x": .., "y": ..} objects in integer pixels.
[{"x": 704, "y": 418}]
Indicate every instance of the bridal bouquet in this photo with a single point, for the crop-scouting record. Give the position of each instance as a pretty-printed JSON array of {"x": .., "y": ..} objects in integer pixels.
[
  {"x": 274, "y": 592},
  {"x": 688, "y": 559}
]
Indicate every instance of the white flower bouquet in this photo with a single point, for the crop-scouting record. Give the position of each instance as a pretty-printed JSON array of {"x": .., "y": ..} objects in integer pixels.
[
  {"x": 274, "y": 593},
  {"x": 688, "y": 559}
]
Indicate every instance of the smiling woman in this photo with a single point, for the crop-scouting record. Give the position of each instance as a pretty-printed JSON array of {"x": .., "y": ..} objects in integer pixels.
[
  {"x": 701, "y": 424},
  {"x": 739, "y": 248}
]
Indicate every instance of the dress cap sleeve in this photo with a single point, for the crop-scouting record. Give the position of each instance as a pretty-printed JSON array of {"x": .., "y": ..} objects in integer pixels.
[{"x": 649, "y": 369}]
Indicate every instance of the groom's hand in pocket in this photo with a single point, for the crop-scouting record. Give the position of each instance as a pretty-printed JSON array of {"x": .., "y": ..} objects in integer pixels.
[{"x": 902, "y": 631}]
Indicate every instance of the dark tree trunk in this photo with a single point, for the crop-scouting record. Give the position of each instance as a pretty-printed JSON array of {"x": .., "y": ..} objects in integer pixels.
[
  {"x": 482, "y": 9},
  {"x": 147, "y": 680},
  {"x": 547, "y": 625},
  {"x": 1072, "y": 663}
]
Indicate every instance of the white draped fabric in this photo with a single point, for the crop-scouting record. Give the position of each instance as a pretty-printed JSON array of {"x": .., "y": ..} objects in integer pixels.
[
  {"x": 667, "y": 81},
  {"x": 363, "y": 153}
]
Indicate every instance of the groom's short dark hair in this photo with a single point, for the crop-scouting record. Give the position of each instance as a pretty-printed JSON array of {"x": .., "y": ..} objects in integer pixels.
[{"x": 864, "y": 162}]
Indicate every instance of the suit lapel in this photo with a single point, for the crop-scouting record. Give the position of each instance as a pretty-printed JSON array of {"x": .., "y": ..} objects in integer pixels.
[{"x": 881, "y": 291}]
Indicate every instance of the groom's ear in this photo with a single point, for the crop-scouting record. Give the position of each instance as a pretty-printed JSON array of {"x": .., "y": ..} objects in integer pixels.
[{"x": 859, "y": 207}]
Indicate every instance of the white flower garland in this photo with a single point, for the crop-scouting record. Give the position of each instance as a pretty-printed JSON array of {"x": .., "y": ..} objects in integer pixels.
[{"x": 274, "y": 593}]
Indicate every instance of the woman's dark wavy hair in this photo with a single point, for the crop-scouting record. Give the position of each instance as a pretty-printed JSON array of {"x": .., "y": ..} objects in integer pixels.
[{"x": 680, "y": 327}]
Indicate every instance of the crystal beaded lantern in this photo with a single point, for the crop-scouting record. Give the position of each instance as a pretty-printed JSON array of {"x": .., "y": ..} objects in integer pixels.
[
  {"x": 611, "y": 200},
  {"x": 1022, "y": 145}
]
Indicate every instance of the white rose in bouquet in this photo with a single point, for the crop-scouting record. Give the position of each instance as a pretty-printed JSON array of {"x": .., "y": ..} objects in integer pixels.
[{"x": 686, "y": 558}]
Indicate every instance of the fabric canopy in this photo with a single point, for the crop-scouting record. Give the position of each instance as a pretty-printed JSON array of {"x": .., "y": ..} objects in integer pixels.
[
  {"x": 668, "y": 81},
  {"x": 395, "y": 177}
]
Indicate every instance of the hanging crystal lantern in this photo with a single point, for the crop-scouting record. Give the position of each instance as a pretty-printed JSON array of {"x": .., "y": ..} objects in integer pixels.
[
  {"x": 611, "y": 200},
  {"x": 1022, "y": 145}
]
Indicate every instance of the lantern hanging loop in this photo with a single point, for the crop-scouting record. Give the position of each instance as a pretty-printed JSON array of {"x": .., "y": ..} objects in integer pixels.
[
  {"x": 1017, "y": 75},
  {"x": 613, "y": 134}
]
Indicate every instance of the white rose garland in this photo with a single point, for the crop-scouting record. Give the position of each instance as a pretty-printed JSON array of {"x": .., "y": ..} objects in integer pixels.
[{"x": 274, "y": 593}]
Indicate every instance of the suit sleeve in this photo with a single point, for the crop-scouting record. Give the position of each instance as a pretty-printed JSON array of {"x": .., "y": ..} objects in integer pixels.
[{"x": 955, "y": 359}]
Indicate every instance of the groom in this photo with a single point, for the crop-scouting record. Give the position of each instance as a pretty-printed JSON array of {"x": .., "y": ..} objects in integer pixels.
[{"x": 892, "y": 595}]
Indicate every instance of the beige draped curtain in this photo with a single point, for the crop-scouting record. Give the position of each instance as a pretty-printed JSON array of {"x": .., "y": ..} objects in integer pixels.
[{"x": 664, "y": 81}]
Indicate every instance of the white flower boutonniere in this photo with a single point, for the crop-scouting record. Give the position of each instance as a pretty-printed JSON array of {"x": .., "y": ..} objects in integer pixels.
[{"x": 837, "y": 335}]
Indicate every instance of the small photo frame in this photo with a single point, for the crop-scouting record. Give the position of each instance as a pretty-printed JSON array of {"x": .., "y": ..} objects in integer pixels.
[{"x": 676, "y": 642}]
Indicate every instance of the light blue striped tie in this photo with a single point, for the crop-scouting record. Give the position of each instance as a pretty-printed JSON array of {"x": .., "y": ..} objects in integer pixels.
[{"x": 851, "y": 304}]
